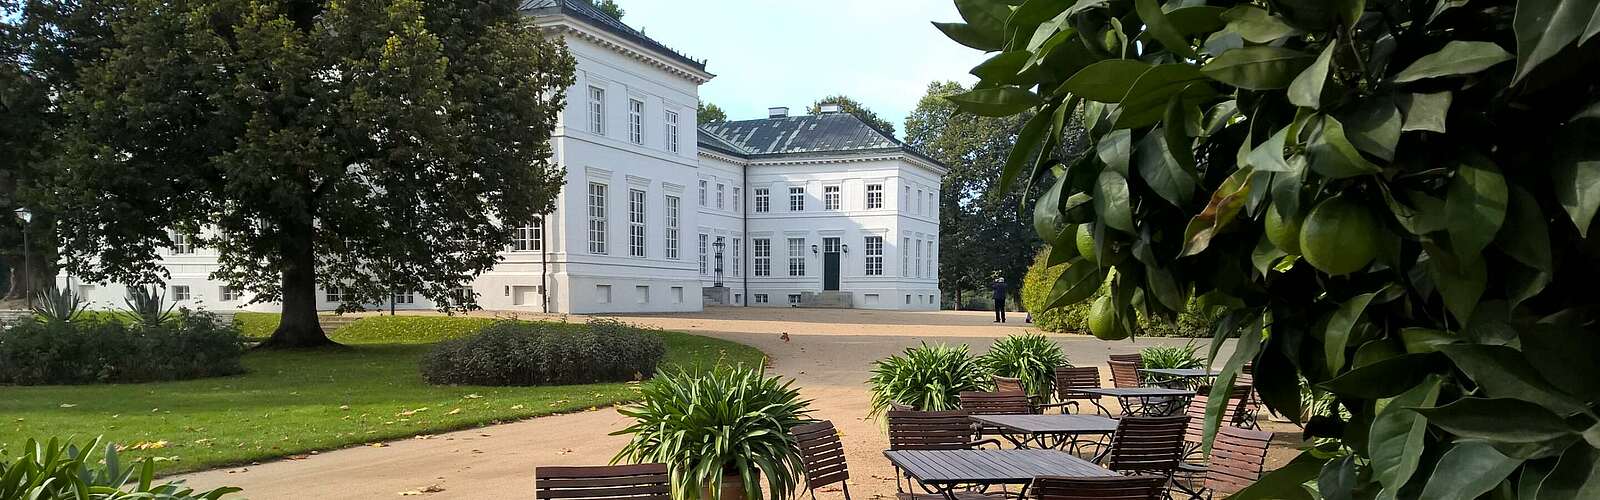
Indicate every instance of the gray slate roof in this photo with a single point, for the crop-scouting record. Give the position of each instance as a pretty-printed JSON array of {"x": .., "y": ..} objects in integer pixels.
[
  {"x": 589, "y": 14},
  {"x": 798, "y": 134}
]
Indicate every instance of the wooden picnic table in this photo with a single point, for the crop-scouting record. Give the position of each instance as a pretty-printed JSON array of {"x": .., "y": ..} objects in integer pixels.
[
  {"x": 1058, "y": 432},
  {"x": 943, "y": 471},
  {"x": 1172, "y": 400}
]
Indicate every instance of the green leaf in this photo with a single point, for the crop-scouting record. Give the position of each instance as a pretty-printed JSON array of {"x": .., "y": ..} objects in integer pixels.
[
  {"x": 1161, "y": 284},
  {"x": 988, "y": 16},
  {"x": 1268, "y": 156},
  {"x": 1577, "y": 180},
  {"x": 1079, "y": 281},
  {"x": 1105, "y": 81},
  {"x": 1488, "y": 419},
  {"x": 1337, "y": 335},
  {"x": 1003, "y": 67},
  {"x": 1257, "y": 25},
  {"x": 1456, "y": 58},
  {"x": 1158, "y": 26},
  {"x": 1265, "y": 255},
  {"x": 1475, "y": 206},
  {"x": 1287, "y": 482},
  {"x": 1545, "y": 27},
  {"x": 1161, "y": 172},
  {"x": 1115, "y": 149},
  {"x": 1424, "y": 214},
  {"x": 1244, "y": 350},
  {"x": 967, "y": 35},
  {"x": 1503, "y": 372},
  {"x": 1461, "y": 282},
  {"x": 1027, "y": 143},
  {"x": 1332, "y": 154},
  {"x": 1469, "y": 469},
  {"x": 1525, "y": 235},
  {"x": 1398, "y": 435},
  {"x": 1111, "y": 201},
  {"x": 996, "y": 101},
  {"x": 1196, "y": 19},
  {"x": 1576, "y": 475},
  {"x": 1146, "y": 101},
  {"x": 1258, "y": 68},
  {"x": 1374, "y": 127},
  {"x": 1424, "y": 111},
  {"x": 1224, "y": 206},
  {"x": 1047, "y": 220},
  {"x": 1385, "y": 378},
  {"x": 1338, "y": 479},
  {"x": 1306, "y": 90}
]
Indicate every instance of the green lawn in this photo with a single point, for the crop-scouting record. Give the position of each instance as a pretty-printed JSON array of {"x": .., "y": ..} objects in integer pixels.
[{"x": 295, "y": 402}]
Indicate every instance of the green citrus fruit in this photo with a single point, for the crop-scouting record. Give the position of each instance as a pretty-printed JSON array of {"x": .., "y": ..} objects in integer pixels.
[
  {"x": 1284, "y": 232},
  {"x": 1085, "y": 241},
  {"x": 1103, "y": 320},
  {"x": 1339, "y": 236}
]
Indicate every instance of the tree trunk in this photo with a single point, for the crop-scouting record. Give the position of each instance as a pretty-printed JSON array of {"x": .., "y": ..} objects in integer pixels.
[{"x": 298, "y": 328}]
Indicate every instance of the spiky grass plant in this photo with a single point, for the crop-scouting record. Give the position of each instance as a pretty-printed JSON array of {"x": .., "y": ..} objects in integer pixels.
[
  {"x": 58, "y": 469},
  {"x": 1031, "y": 357},
  {"x": 147, "y": 305},
  {"x": 57, "y": 305},
  {"x": 712, "y": 423},
  {"x": 1172, "y": 357},
  {"x": 926, "y": 377}
]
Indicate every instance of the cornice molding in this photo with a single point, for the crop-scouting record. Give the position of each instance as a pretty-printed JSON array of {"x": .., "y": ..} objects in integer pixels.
[{"x": 562, "y": 25}]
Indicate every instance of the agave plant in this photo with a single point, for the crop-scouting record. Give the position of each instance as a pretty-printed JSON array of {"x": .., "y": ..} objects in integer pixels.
[
  {"x": 57, "y": 304},
  {"x": 926, "y": 377},
  {"x": 721, "y": 423},
  {"x": 145, "y": 305},
  {"x": 1031, "y": 357},
  {"x": 62, "y": 470},
  {"x": 1172, "y": 357}
]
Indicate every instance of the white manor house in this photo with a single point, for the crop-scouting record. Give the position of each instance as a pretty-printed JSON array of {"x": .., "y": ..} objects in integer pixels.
[{"x": 658, "y": 215}]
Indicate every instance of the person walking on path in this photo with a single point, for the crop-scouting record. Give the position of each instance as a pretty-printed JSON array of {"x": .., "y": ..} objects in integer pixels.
[{"x": 999, "y": 287}]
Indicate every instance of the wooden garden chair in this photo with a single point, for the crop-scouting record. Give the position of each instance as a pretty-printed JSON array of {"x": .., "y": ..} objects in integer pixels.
[
  {"x": 932, "y": 430},
  {"x": 1069, "y": 379},
  {"x": 1099, "y": 488},
  {"x": 1007, "y": 384},
  {"x": 1147, "y": 446},
  {"x": 625, "y": 482},
  {"x": 1135, "y": 358},
  {"x": 1125, "y": 374},
  {"x": 996, "y": 403},
  {"x": 822, "y": 455},
  {"x": 1237, "y": 458}
]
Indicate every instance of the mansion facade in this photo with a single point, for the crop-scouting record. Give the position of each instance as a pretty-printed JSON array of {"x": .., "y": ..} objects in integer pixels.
[{"x": 661, "y": 215}]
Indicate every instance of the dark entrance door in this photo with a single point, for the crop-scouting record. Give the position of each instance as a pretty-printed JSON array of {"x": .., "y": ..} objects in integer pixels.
[{"x": 830, "y": 264}]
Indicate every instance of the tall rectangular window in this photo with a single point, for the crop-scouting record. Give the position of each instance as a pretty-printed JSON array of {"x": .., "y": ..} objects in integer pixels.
[
  {"x": 705, "y": 242},
  {"x": 529, "y": 238},
  {"x": 874, "y": 246},
  {"x": 636, "y": 121},
  {"x": 919, "y": 201},
  {"x": 933, "y": 203},
  {"x": 182, "y": 243},
  {"x": 874, "y": 196},
  {"x": 181, "y": 292},
  {"x": 597, "y": 218},
  {"x": 736, "y": 206},
  {"x": 672, "y": 227},
  {"x": 736, "y": 254},
  {"x": 702, "y": 192},
  {"x": 333, "y": 294},
  {"x": 762, "y": 248},
  {"x": 905, "y": 257},
  {"x": 930, "y": 261},
  {"x": 672, "y": 131},
  {"x": 905, "y": 201},
  {"x": 597, "y": 110},
  {"x": 636, "y": 202},
  {"x": 831, "y": 198},
  {"x": 722, "y": 189},
  {"x": 228, "y": 293},
  {"x": 763, "y": 200},
  {"x": 404, "y": 298},
  {"x": 797, "y": 256},
  {"x": 797, "y": 199},
  {"x": 917, "y": 266}
]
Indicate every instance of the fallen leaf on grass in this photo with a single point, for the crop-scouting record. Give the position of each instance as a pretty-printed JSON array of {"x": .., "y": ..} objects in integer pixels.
[
  {"x": 471, "y": 396},
  {"x": 67, "y": 405},
  {"x": 146, "y": 445},
  {"x": 408, "y": 413},
  {"x": 379, "y": 445},
  {"x": 453, "y": 412},
  {"x": 516, "y": 407}
]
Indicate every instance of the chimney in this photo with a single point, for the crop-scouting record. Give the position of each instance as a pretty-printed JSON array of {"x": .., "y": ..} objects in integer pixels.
[
  {"x": 831, "y": 108},
  {"x": 778, "y": 112}
]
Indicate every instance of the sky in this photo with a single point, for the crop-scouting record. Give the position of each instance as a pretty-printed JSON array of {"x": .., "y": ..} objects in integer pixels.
[{"x": 769, "y": 53}]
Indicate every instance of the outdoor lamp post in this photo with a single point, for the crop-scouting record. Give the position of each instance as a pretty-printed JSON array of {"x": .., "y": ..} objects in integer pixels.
[
  {"x": 845, "y": 248},
  {"x": 27, "y": 217},
  {"x": 718, "y": 245},
  {"x": 814, "y": 250}
]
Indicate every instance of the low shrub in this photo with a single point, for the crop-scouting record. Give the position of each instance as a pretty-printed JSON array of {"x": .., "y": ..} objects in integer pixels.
[
  {"x": 193, "y": 344},
  {"x": 1194, "y": 322},
  {"x": 60, "y": 470},
  {"x": 411, "y": 329},
  {"x": 926, "y": 377},
  {"x": 523, "y": 353},
  {"x": 1031, "y": 357}
]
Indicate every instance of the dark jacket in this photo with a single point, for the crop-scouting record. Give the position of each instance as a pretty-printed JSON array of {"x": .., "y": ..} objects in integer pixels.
[{"x": 999, "y": 288}]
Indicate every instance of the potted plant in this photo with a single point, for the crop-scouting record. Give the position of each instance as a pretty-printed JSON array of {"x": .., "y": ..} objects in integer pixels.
[
  {"x": 926, "y": 377},
  {"x": 720, "y": 432},
  {"x": 1031, "y": 357}
]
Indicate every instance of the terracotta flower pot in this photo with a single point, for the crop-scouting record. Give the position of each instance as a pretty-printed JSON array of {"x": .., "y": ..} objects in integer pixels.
[{"x": 732, "y": 487}]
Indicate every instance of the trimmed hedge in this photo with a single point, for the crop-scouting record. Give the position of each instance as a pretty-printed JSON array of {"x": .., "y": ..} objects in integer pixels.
[
  {"x": 1194, "y": 322},
  {"x": 102, "y": 349},
  {"x": 522, "y": 353}
]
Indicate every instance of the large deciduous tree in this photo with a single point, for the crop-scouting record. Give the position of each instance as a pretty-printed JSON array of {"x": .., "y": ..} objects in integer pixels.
[
  {"x": 854, "y": 107},
  {"x": 1392, "y": 199},
  {"x": 710, "y": 112},
  {"x": 378, "y": 146}
]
